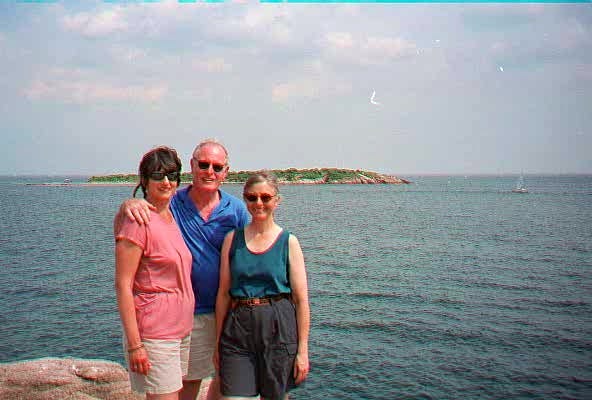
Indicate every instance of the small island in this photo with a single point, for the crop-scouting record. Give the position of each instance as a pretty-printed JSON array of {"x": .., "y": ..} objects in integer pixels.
[{"x": 285, "y": 176}]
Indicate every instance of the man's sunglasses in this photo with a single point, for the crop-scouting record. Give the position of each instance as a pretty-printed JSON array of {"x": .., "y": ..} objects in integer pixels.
[
  {"x": 265, "y": 197},
  {"x": 159, "y": 176},
  {"x": 206, "y": 165}
]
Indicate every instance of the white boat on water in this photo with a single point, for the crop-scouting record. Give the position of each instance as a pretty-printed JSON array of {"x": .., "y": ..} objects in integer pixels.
[{"x": 520, "y": 188}]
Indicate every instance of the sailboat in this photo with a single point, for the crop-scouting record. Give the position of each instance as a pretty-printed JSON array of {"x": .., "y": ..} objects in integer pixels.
[{"x": 520, "y": 188}]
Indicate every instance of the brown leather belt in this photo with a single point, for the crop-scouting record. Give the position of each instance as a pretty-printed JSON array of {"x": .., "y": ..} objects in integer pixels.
[{"x": 258, "y": 301}]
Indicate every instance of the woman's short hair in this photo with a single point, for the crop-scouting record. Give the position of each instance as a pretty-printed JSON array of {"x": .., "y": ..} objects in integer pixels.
[
  {"x": 161, "y": 158},
  {"x": 262, "y": 177}
]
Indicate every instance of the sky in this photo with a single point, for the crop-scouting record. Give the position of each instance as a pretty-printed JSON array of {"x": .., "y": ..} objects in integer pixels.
[{"x": 405, "y": 89}]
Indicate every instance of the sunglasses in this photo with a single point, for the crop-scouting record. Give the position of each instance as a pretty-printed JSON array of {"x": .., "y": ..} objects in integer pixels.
[
  {"x": 159, "y": 176},
  {"x": 265, "y": 197},
  {"x": 206, "y": 165}
]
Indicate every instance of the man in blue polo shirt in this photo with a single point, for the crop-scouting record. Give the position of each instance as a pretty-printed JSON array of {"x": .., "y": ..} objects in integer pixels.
[{"x": 205, "y": 214}]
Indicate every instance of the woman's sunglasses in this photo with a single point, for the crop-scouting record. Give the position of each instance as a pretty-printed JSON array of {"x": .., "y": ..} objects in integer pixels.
[
  {"x": 206, "y": 165},
  {"x": 159, "y": 176},
  {"x": 265, "y": 197}
]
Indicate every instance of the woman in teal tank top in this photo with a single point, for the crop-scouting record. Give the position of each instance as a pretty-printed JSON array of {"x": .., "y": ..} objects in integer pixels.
[{"x": 262, "y": 310}]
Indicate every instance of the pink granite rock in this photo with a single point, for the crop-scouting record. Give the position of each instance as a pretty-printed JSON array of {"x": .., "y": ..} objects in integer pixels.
[
  {"x": 64, "y": 378},
  {"x": 69, "y": 379}
]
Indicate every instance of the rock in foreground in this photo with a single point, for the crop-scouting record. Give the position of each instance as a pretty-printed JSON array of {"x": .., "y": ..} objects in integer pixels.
[{"x": 68, "y": 379}]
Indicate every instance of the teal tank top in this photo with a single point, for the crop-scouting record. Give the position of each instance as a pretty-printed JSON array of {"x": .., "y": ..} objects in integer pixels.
[{"x": 259, "y": 274}]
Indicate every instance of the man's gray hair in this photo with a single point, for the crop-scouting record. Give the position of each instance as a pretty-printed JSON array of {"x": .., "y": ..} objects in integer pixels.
[{"x": 211, "y": 141}]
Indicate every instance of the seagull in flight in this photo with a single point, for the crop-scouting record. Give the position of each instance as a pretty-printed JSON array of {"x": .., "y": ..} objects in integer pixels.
[{"x": 372, "y": 98}]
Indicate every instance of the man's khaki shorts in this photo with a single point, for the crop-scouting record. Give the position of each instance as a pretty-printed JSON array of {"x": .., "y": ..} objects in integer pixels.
[{"x": 203, "y": 343}]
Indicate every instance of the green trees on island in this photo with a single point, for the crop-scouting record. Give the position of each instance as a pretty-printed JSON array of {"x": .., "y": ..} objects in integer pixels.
[{"x": 290, "y": 175}]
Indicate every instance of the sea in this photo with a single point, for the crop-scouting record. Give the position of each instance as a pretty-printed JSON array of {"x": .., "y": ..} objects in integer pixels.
[{"x": 451, "y": 287}]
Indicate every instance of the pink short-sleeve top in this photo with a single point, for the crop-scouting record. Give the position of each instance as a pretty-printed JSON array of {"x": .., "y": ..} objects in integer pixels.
[{"x": 162, "y": 290}]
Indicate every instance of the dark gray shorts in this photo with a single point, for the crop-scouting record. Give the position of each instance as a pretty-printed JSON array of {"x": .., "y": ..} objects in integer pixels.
[{"x": 258, "y": 346}]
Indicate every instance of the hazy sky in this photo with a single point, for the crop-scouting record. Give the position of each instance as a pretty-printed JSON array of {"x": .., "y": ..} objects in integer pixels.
[{"x": 89, "y": 86}]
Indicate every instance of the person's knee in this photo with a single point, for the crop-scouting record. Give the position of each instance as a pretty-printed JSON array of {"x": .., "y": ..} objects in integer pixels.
[
  {"x": 190, "y": 390},
  {"x": 166, "y": 396}
]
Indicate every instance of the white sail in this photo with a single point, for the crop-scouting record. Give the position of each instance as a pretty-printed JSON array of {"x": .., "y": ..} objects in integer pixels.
[{"x": 520, "y": 187}]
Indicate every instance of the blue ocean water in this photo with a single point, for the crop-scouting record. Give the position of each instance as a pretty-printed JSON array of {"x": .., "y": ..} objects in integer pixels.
[{"x": 451, "y": 287}]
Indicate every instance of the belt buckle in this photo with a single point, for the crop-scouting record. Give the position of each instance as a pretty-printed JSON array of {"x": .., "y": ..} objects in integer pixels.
[
  {"x": 255, "y": 302},
  {"x": 249, "y": 302}
]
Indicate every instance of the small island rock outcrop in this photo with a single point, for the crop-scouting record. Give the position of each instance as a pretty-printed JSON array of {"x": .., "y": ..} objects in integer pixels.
[{"x": 285, "y": 176}]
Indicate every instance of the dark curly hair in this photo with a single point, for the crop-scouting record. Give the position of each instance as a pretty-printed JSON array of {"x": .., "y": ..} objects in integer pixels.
[{"x": 161, "y": 158}]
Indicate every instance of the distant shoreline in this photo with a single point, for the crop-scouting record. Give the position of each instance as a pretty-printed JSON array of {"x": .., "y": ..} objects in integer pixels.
[
  {"x": 310, "y": 176},
  {"x": 87, "y": 184}
]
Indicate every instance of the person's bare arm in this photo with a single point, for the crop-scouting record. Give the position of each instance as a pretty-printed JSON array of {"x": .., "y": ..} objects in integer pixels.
[
  {"x": 127, "y": 260},
  {"x": 299, "y": 287},
  {"x": 223, "y": 298}
]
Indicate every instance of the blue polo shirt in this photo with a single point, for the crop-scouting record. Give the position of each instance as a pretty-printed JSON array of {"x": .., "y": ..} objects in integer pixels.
[{"x": 204, "y": 239}]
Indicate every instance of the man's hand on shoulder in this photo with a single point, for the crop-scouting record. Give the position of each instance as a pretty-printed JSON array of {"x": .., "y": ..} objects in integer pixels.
[{"x": 137, "y": 210}]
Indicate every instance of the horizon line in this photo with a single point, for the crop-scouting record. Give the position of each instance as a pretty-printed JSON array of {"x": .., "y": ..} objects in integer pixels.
[{"x": 396, "y": 174}]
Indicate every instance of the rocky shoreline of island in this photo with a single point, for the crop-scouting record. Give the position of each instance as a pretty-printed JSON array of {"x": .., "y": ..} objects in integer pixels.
[{"x": 309, "y": 176}]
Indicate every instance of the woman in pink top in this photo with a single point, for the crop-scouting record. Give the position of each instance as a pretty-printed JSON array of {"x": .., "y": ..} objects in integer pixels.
[{"x": 153, "y": 284}]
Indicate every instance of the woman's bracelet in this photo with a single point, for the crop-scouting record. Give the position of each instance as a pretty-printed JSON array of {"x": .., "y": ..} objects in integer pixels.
[{"x": 138, "y": 347}]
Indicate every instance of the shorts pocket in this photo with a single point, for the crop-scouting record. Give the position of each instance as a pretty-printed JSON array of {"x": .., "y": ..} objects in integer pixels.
[
  {"x": 285, "y": 348},
  {"x": 292, "y": 348},
  {"x": 286, "y": 325}
]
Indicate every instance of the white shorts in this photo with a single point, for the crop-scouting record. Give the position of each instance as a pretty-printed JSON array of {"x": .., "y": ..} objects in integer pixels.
[
  {"x": 203, "y": 343},
  {"x": 168, "y": 359}
]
